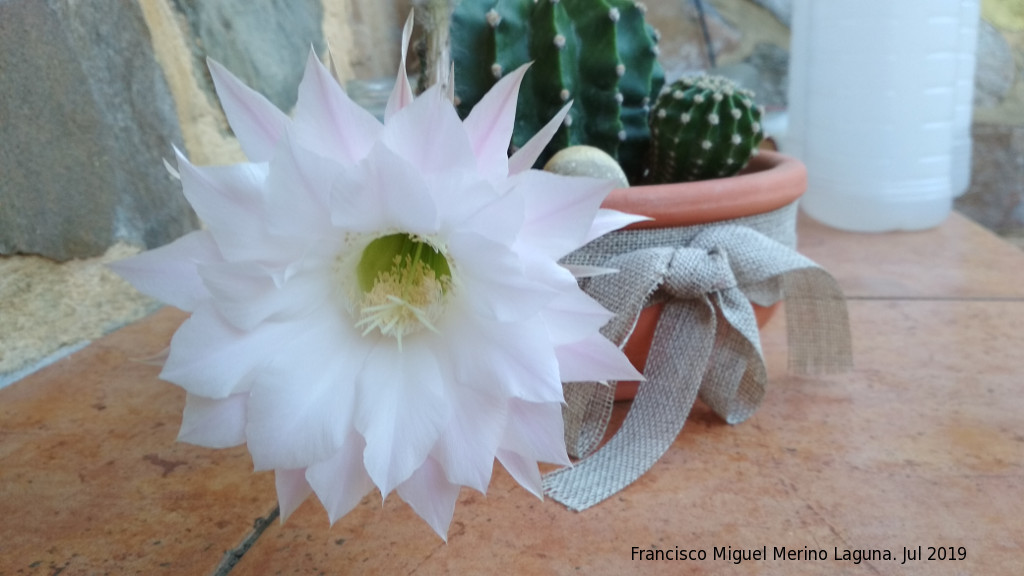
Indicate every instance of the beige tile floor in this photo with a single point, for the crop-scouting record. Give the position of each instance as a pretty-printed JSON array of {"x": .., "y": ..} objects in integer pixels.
[{"x": 922, "y": 444}]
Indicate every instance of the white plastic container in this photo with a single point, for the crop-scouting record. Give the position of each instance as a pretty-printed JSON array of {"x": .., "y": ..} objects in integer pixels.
[{"x": 871, "y": 110}]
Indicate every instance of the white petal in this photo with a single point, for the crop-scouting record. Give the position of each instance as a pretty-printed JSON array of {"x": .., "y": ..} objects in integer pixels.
[
  {"x": 341, "y": 481},
  {"x": 256, "y": 122},
  {"x": 292, "y": 490},
  {"x": 399, "y": 201},
  {"x": 559, "y": 210},
  {"x": 584, "y": 271},
  {"x": 525, "y": 157},
  {"x": 432, "y": 496},
  {"x": 517, "y": 356},
  {"x": 523, "y": 470},
  {"x": 169, "y": 273},
  {"x": 230, "y": 200},
  {"x": 490, "y": 123},
  {"x": 536, "y": 432},
  {"x": 401, "y": 96},
  {"x": 429, "y": 135},
  {"x": 477, "y": 207},
  {"x": 609, "y": 220},
  {"x": 298, "y": 188},
  {"x": 401, "y": 410},
  {"x": 467, "y": 447},
  {"x": 249, "y": 293},
  {"x": 210, "y": 357},
  {"x": 214, "y": 423},
  {"x": 327, "y": 121},
  {"x": 493, "y": 279},
  {"x": 302, "y": 402},
  {"x": 594, "y": 359},
  {"x": 573, "y": 316}
]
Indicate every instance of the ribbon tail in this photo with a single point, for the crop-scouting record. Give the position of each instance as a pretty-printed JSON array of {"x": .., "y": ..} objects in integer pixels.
[
  {"x": 674, "y": 375},
  {"x": 817, "y": 323},
  {"x": 734, "y": 384},
  {"x": 818, "y": 328},
  {"x": 588, "y": 407}
]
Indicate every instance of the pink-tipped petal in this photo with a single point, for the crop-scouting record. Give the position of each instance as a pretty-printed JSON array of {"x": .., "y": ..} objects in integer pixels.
[
  {"x": 169, "y": 273},
  {"x": 431, "y": 496},
  {"x": 401, "y": 200},
  {"x": 491, "y": 121},
  {"x": 444, "y": 145},
  {"x": 488, "y": 212},
  {"x": 402, "y": 95},
  {"x": 558, "y": 223},
  {"x": 214, "y": 423},
  {"x": 584, "y": 271},
  {"x": 341, "y": 481},
  {"x": 292, "y": 490},
  {"x": 256, "y": 122},
  {"x": 230, "y": 200},
  {"x": 574, "y": 316},
  {"x": 610, "y": 220},
  {"x": 536, "y": 432},
  {"x": 466, "y": 448},
  {"x": 523, "y": 470},
  {"x": 327, "y": 121},
  {"x": 525, "y": 157},
  {"x": 593, "y": 359},
  {"x": 298, "y": 192}
]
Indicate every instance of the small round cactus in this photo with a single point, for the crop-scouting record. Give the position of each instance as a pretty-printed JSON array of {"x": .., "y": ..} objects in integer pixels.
[{"x": 702, "y": 127}]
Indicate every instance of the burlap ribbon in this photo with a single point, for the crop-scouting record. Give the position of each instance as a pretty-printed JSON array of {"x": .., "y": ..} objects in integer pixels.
[{"x": 706, "y": 342}]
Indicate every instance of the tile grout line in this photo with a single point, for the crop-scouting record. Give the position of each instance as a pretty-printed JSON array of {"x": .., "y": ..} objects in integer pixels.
[{"x": 233, "y": 556}]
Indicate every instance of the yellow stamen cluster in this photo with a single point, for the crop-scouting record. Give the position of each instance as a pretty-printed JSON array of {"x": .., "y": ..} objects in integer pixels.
[{"x": 405, "y": 294}]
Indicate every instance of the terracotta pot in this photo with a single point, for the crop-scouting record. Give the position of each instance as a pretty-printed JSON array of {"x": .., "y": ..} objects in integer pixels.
[{"x": 771, "y": 181}]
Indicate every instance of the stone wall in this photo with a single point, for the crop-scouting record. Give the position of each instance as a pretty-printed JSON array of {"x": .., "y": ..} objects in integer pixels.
[{"x": 996, "y": 197}]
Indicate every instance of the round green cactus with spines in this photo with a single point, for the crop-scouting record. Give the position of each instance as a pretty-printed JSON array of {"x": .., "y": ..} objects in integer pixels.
[
  {"x": 702, "y": 127},
  {"x": 601, "y": 54}
]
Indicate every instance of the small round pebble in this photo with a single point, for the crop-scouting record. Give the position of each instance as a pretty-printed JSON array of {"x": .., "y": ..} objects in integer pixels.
[{"x": 587, "y": 161}]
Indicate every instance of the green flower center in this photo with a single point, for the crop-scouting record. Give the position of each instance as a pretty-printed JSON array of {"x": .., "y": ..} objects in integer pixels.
[{"x": 403, "y": 282}]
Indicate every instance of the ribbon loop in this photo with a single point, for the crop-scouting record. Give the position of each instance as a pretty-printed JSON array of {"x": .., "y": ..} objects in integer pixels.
[{"x": 706, "y": 342}]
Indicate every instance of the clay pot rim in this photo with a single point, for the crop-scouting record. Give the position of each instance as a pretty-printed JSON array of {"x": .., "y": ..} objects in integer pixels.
[{"x": 771, "y": 180}]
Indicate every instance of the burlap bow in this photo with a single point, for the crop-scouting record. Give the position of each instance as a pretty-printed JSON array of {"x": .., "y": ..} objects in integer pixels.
[{"x": 706, "y": 341}]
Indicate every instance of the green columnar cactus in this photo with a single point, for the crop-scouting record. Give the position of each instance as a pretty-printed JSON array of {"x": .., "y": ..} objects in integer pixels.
[
  {"x": 702, "y": 127},
  {"x": 599, "y": 53}
]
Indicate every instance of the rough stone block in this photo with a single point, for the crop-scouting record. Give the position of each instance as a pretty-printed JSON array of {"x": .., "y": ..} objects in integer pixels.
[
  {"x": 996, "y": 197},
  {"x": 85, "y": 119},
  {"x": 263, "y": 42}
]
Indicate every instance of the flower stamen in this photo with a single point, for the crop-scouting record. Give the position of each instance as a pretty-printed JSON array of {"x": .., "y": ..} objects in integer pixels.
[{"x": 403, "y": 283}]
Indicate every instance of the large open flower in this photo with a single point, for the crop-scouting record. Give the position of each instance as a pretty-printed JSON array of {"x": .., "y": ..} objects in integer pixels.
[{"x": 381, "y": 304}]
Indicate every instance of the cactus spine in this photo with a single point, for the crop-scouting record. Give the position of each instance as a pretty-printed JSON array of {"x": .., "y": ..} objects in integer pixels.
[
  {"x": 599, "y": 53},
  {"x": 702, "y": 127}
]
